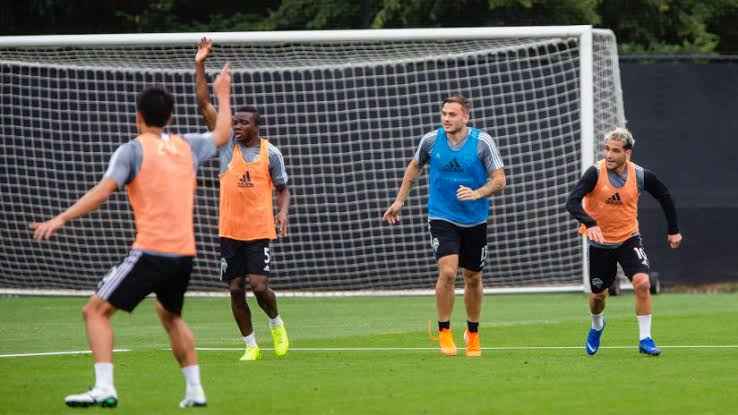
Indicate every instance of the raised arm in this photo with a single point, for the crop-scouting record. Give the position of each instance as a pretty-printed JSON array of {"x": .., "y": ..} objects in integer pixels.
[
  {"x": 223, "y": 120},
  {"x": 87, "y": 203},
  {"x": 201, "y": 83}
]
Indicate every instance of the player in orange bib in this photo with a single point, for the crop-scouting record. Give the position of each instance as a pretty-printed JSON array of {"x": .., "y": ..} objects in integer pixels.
[
  {"x": 249, "y": 167},
  {"x": 159, "y": 170},
  {"x": 605, "y": 202}
]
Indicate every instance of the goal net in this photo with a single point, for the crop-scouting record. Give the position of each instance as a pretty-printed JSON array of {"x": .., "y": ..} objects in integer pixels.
[{"x": 347, "y": 110}]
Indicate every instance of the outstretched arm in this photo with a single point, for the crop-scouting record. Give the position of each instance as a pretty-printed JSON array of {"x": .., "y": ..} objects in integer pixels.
[
  {"x": 87, "y": 203},
  {"x": 392, "y": 215},
  {"x": 201, "y": 84}
]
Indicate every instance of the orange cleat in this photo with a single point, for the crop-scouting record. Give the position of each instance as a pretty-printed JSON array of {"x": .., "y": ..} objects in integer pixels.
[
  {"x": 473, "y": 348},
  {"x": 446, "y": 338}
]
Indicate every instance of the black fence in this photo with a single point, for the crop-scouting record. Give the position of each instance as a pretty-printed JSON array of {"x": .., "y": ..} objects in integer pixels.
[{"x": 683, "y": 112}]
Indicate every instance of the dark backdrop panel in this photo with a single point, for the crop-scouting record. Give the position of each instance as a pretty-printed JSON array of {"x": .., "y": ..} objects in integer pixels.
[{"x": 684, "y": 116}]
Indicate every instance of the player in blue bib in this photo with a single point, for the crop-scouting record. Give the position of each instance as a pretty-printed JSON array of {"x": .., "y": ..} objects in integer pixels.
[
  {"x": 451, "y": 169},
  {"x": 465, "y": 169}
]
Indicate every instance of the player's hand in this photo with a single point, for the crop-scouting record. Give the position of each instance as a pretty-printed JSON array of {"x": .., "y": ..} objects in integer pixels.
[
  {"x": 464, "y": 193},
  {"x": 594, "y": 234},
  {"x": 43, "y": 231},
  {"x": 281, "y": 220},
  {"x": 222, "y": 84},
  {"x": 392, "y": 215},
  {"x": 674, "y": 240},
  {"x": 203, "y": 50}
]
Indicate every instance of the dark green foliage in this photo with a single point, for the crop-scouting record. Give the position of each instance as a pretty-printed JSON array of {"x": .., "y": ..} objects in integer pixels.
[{"x": 650, "y": 26}]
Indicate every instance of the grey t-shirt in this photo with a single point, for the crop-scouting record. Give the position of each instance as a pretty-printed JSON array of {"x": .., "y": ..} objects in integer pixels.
[
  {"x": 486, "y": 150},
  {"x": 277, "y": 169},
  {"x": 619, "y": 181},
  {"x": 125, "y": 163}
]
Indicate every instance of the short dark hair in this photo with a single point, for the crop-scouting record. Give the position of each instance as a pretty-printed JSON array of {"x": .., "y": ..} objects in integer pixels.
[
  {"x": 252, "y": 109},
  {"x": 459, "y": 99},
  {"x": 155, "y": 104}
]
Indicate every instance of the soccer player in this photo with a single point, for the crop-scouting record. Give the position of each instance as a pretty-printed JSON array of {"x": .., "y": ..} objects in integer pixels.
[
  {"x": 249, "y": 167},
  {"x": 609, "y": 219},
  {"x": 465, "y": 169},
  {"x": 159, "y": 171}
]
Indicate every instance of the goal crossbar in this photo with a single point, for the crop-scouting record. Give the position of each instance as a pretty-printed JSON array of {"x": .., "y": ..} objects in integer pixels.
[{"x": 365, "y": 35}]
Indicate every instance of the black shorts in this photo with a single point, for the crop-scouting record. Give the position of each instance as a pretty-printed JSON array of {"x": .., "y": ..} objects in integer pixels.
[
  {"x": 141, "y": 274},
  {"x": 603, "y": 263},
  {"x": 470, "y": 244},
  {"x": 240, "y": 258}
]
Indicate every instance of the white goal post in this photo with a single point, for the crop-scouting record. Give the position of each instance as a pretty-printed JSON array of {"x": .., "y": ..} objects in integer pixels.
[{"x": 347, "y": 109}]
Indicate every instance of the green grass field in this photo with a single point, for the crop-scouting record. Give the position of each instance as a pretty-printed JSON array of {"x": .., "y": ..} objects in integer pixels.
[{"x": 374, "y": 356}]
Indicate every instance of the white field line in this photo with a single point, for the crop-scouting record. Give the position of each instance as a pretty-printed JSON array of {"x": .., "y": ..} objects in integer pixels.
[
  {"x": 390, "y": 349},
  {"x": 382, "y": 349},
  {"x": 72, "y": 352},
  {"x": 321, "y": 294}
]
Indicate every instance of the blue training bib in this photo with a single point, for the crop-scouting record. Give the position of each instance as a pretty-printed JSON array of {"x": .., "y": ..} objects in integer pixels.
[{"x": 450, "y": 169}]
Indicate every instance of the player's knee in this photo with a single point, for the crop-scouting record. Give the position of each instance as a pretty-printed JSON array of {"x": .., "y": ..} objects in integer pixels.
[
  {"x": 258, "y": 286},
  {"x": 237, "y": 292},
  {"x": 641, "y": 284},
  {"x": 173, "y": 322},
  {"x": 447, "y": 274},
  {"x": 237, "y": 288},
  {"x": 473, "y": 280},
  {"x": 600, "y": 296},
  {"x": 165, "y": 315},
  {"x": 93, "y": 309}
]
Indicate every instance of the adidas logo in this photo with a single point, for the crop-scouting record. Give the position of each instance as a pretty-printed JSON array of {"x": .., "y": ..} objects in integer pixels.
[
  {"x": 245, "y": 180},
  {"x": 453, "y": 165},
  {"x": 614, "y": 199}
]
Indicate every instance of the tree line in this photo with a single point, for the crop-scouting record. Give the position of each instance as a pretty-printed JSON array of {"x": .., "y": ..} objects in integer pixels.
[{"x": 641, "y": 26}]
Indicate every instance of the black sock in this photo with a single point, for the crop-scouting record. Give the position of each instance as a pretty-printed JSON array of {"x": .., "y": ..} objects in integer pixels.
[
  {"x": 472, "y": 326},
  {"x": 444, "y": 325}
]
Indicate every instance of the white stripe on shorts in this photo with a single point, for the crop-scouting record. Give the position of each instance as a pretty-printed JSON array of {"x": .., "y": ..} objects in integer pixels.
[{"x": 111, "y": 281}]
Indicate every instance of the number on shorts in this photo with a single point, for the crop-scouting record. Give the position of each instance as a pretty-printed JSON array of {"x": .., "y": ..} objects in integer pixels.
[
  {"x": 267, "y": 257},
  {"x": 641, "y": 255}
]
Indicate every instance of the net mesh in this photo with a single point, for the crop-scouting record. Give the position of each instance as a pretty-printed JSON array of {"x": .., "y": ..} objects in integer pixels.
[{"x": 347, "y": 118}]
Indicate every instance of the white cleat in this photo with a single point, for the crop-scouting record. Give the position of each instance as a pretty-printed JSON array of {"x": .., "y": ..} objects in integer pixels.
[
  {"x": 95, "y": 397},
  {"x": 193, "y": 399},
  {"x": 192, "y": 403}
]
